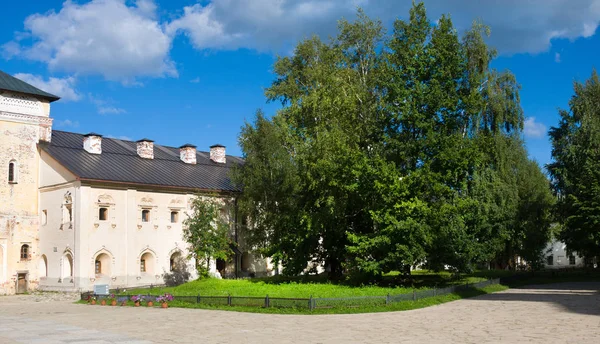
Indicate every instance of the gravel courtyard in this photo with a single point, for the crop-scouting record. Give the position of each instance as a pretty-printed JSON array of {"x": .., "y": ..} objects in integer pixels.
[{"x": 556, "y": 313}]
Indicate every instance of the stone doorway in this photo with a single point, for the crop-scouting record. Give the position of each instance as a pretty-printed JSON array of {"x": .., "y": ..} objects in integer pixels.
[{"x": 21, "y": 283}]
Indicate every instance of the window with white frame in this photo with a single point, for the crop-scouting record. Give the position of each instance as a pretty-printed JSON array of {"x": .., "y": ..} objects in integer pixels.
[
  {"x": 103, "y": 214},
  {"x": 145, "y": 215}
]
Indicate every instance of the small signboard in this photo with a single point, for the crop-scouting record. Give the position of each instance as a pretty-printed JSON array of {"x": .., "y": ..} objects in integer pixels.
[{"x": 101, "y": 289}]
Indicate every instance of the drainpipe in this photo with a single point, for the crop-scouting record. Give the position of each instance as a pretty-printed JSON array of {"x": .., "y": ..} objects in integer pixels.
[
  {"x": 235, "y": 219},
  {"x": 75, "y": 254}
]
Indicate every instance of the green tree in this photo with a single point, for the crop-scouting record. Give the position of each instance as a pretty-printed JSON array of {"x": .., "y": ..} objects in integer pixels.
[
  {"x": 271, "y": 196},
  {"x": 207, "y": 232},
  {"x": 575, "y": 170},
  {"x": 389, "y": 151}
]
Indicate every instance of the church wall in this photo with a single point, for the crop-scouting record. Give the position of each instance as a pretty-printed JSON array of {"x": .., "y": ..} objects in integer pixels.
[
  {"x": 52, "y": 173},
  {"x": 57, "y": 236},
  {"x": 19, "y": 135},
  {"x": 120, "y": 241}
]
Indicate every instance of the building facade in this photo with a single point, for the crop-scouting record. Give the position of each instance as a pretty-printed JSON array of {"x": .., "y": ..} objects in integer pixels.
[
  {"x": 557, "y": 257},
  {"x": 78, "y": 210}
]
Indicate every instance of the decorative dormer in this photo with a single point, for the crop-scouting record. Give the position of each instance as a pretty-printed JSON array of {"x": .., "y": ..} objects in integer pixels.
[
  {"x": 92, "y": 143},
  {"x": 145, "y": 148},
  {"x": 187, "y": 153},
  {"x": 217, "y": 153}
]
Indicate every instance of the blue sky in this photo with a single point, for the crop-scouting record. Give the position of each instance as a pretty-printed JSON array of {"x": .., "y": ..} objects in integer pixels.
[{"x": 192, "y": 72}]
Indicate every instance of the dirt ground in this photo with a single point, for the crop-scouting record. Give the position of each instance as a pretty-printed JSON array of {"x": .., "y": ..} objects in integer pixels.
[{"x": 554, "y": 313}]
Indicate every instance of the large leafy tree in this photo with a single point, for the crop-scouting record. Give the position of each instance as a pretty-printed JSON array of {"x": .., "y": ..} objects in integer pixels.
[
  {"x": 575, "y": 170},
  {"x": 388, "y": 151}
]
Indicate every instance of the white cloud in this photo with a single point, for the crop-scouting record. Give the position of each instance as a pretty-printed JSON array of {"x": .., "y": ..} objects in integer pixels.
[
  {"x": 110, "y": 110},
  {"x": 101, "y": 37},
  {"x": 517, "y": 26},
  {"x": 534, "y": 129},
  {"x": 122, "y": 137},
  {"x": 67, "y": 123},
  {"x": 261, "y": 25},
  {"x": 62, "y": 87},
  {"x": 105, "y": 107},
  {"x": 557, "y": 57},
  {"x": 124, "y": 40},
  {"x": 195, "y": 80}
]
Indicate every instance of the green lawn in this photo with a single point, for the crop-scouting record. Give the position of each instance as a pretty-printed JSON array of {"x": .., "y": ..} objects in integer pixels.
[
  {"x": 320, "y": 287},
  {"x": 317, "y": 286},
  {"x": 398, "y": 306}
]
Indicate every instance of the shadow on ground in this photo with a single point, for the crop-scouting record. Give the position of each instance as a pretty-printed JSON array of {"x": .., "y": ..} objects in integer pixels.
[{"x": 576, "y": 297}]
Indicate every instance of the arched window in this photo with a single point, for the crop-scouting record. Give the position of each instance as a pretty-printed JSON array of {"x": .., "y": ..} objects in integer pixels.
[
  {"x": 67, "y": 266},
  {"x": 146, "y": 263},
  {"x": 102, "y": 265},
  {"x": 43, "y": 266},
  {"x": 176, "y": 261},
  {"x": 98, "y": 266},
  {"x": 24, "y": 252},
  {"x": 103, "y": 214},
  {"x": 12, "y": 172}
]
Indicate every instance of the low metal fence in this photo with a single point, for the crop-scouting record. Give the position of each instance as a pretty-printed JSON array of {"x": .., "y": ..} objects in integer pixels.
[{"x": 306, "y": 303}]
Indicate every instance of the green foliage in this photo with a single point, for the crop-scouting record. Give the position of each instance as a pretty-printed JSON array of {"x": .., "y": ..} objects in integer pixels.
[
  {"x": 576, "y": 169},
  {"x": 207, "y": 233},
  {"x": 317, "y": 286},
  {"x": 392, "y": 151}
]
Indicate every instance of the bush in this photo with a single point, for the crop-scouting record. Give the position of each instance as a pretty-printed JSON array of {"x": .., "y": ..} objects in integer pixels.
[{"x": 178, "y": 275}]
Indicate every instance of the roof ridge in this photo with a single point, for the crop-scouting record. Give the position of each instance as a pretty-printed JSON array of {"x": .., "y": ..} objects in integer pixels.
[
  {"x": 117, "y": 139},
  {"x": 122, "y": 154},
  {"x": 11, "y": 83}
]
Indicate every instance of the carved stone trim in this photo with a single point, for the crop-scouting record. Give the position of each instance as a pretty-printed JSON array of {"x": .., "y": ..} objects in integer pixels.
[
  {"x": 20, "y": 103},
  {"x": 23, "y": 118}
]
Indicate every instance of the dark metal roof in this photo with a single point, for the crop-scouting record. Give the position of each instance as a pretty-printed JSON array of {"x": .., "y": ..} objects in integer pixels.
[
  {"x": 10, "y": 83},
  {"x": 120, "y": 163}
]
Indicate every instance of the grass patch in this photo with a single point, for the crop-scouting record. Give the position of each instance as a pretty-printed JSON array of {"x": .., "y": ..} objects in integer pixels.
[
  {"x": 397, "y": 306},
  {"x": 317, "y": 286}
]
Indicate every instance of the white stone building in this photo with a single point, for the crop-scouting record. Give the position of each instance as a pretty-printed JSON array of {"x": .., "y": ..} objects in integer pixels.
[
  {"x": 558, "y": 258},
  {"x": 78, "y": 210}
]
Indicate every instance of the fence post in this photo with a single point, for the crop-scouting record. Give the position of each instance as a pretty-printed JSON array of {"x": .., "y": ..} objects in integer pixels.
[
  {"x": 414, "y": 295},
  {"x": 267, "y": 301},
  {"x": 198, "y": 298},
  {"x": 434, "y": 291},
  {"x": 310, "y": 304},
  {"x": 387, "y": 299},
  {"x": 229, "y": 300}
]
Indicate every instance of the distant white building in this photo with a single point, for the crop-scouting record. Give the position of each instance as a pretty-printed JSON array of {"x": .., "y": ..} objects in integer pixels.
[{"x": 557, "y": 257}]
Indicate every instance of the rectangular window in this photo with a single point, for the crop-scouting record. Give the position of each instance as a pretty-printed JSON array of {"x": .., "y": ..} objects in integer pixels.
[
  {"x": 550, "y": 260},
  {"x": 103, "y": 214},
  {"x": 174, "y": 216},
  {"x": 143, "y": 265},
  {"x": 12, "y": 173},
  {"x": 571, "y": 260},
  {"x": 24, "y": 252},
  {"x": 145, "y": 215}
]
